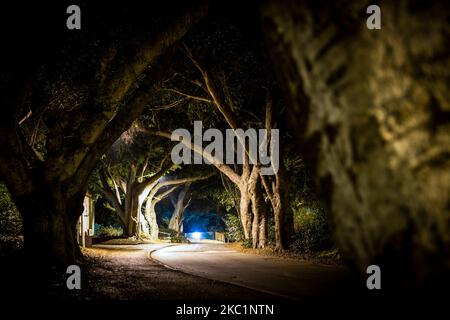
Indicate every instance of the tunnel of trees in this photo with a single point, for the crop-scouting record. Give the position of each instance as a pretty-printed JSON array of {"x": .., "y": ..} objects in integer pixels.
[{"x": 364, "y": 119}]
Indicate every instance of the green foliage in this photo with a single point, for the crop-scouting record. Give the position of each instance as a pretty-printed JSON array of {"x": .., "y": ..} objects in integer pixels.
[
  {"x": 107, "y": 231},
  {"x": 225, "y": 199},
  {"x": 247, "y": 244},
  {"x": 10, "y": 219},
  {"x": 311, "y": 230},
  {"x": 271, "y": 231},
  {"x": 234, "y": 231}
]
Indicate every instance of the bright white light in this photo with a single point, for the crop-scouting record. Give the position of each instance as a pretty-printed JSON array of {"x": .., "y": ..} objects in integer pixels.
[{"x": 197, "y": 235}]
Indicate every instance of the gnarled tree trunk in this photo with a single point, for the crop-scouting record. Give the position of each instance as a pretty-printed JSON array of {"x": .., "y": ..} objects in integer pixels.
[
  {"x": 371, "y": 111},
  {"x": 150, "y": 213},
  {"x": 49, "y": 219},
  {"x": 176, "y": 220}
]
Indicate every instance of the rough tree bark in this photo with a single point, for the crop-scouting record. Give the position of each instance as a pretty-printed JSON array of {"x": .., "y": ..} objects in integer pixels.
[
  {"x": 150, "y": 212},
  {"x": 371, "y": 111},
  {"x": 176, "y": 220}
]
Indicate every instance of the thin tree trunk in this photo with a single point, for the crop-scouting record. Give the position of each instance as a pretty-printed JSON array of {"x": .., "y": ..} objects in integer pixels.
[
  {"x": 258, "y": 210},
  {"x": 245, "y": 211},
  {"x": 263, "y": 229}
]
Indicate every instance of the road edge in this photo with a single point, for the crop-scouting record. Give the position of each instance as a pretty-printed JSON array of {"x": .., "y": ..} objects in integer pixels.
[{"x": 152, "y": 258}]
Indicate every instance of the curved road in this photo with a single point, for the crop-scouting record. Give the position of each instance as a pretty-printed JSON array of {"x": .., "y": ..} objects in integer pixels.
[
  {"x": 125, "y": 272},
  {"x": 287, "y": 278}
]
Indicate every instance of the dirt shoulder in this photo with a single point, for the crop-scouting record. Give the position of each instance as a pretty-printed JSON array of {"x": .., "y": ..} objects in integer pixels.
[{"x": 331, "y": 257}]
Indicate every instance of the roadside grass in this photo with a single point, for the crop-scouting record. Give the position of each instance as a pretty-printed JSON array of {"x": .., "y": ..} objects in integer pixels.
[{"x": 122, "y": 241}]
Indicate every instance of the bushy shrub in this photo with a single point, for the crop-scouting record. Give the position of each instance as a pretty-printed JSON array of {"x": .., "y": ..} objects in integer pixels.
[
  {"x": 311, "y": 230},
  {"x": 179, "y": 238},
  {"x": 165, "y": 222},
  {"x": 107, "y": 231},
  {"x": 10, "y": 219},
  {"x": 271, "y": 234},
  {"x": 234, "y": 232}
]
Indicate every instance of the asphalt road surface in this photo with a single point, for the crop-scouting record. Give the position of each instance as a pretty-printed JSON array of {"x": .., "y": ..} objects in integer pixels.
[
  {"x": 287, "y": 278},
  {"x": 125, "y": 272}
]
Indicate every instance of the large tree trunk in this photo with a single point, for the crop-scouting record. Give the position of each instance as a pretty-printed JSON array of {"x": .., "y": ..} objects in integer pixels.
[
  {"x": 74, "y": 209},
  {"x": 176, "y": 221},
  {"x": 371, "y": 111},
  {"x": 150, "y": 212},
  {"x": 150, "y": 216},
  {"x": 47, "y": 232},
  {"x": 49, "y": 220},
  {"x": 133, "y": 214},
  {"x": 136, "y": 198}
]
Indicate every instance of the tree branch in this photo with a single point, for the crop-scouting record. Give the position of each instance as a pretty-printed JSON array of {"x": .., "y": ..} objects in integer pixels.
[
  {"x": 225, "y": 169},
  {"x": 102, "y": 129},
  {"x": 144, "y": 184},
  {"x": 119, "y": 82},
  {"x": 223, "y": 107},
  {"x": 174, "y": 104},
  {"x": 190, "y": 96},
  {"x": 164, "y": 194}
]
